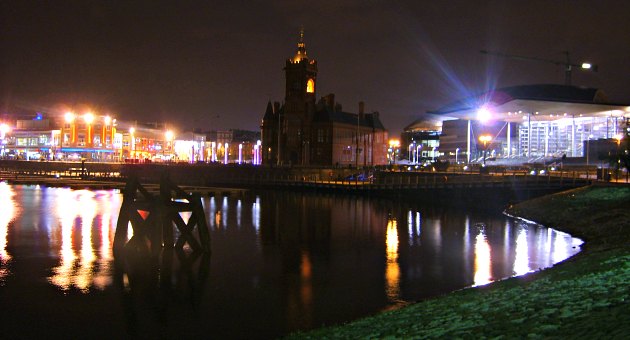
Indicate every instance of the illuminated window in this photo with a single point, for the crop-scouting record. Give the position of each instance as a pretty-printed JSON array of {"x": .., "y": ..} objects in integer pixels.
[{"x": 310, "y": 86}]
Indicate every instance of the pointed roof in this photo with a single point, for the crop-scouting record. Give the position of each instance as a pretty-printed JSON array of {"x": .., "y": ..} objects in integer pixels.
[
  {"x": 301, "y": 51},
  {"x": 269, "y": 114}
]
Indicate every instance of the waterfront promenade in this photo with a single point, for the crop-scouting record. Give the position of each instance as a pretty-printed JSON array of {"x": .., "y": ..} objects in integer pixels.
[{"x": 213, "y": 179}]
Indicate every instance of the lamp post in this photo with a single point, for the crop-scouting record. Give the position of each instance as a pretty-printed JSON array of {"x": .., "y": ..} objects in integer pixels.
[
  {"x": 169, "y": 135},
  {"x": 394, "y": 144},
  {"x": 618, "y": 138},
  {"x": 69, "y": 118},
  {"x": 132, "y": 143},
  {"x": 456, "y": 154},
  {"x": 88, "y": 118},
  {"x": 485, "y": 139}
]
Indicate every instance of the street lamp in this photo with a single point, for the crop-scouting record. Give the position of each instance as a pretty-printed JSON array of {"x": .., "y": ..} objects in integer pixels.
[
  {"x": 169, "y": 135},
  {"x": 485, "y": 139},
  {"x": 618, "y": 138},
  {"x": 89, "y": 118},
  {"x": 394, "y": 144},
  {"x": 132, "y": 144},
  {"x": 456, "y": 154}
]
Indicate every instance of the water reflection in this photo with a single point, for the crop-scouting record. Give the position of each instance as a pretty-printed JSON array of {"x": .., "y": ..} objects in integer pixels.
[
  {"x": 7, "y": 214},
  {"x": 281, "y": 261},
  {"x": 521, "y": 261},
  {"x": 482, "y": 258},
  {"x": 79, "y": 266},
  {"x": 392, "y": 269}
]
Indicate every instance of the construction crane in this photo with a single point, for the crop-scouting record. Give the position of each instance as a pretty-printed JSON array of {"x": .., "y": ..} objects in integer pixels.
[{"x": 568, "y": 66}]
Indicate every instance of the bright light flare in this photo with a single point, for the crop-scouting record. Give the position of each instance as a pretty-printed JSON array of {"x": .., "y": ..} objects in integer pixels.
[
  {"x": 69, "y": 117},
  {"x": 587, "y": 66},
  {"x": 169, "y": 135},
  {"x": 88, "y": 117},
  {"x": 107, "y": 120},
  {"x": 483, "y": 114},
  {"x": 485, "y": 138}
]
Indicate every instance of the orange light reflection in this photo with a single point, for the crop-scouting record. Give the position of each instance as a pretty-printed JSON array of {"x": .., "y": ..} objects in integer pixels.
[
  {"x": 392, "y": 268},
  {"x": 77, "y": 268}
]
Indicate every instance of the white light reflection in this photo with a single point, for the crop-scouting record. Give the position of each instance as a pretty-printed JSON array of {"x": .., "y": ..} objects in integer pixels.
[
  {"x": 392, "y": 268},
  {"x": 482, "y": 259},
  {"x": 66, "y": 211},
  {"x": 521, "y": 256},
  {"x": 7, "y": 214},
  {"x": 87, "y": 211},
  {"x": 212, "y": 212},
  {"x": 256, "y": 214},
  {"x": 238, "y": 213},
  {"x": 560, "y": 247},
  {"x": 413, "y": 223},
  {"x": 410, "y": 227},
  {"x": 224, "y": 211},
  {"x": 78, "y": 211}
]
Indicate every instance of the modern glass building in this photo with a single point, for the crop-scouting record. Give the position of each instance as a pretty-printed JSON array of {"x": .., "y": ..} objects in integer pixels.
[{"x": 530, "y": 122}]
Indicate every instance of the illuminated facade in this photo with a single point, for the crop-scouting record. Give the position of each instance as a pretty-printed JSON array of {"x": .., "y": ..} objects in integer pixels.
[
  {"x": 60, "y": 137},
  {"x": 531, "y": 122},
  {"x": 305, "y": 132},
  {"x": 89, "y": 135}
]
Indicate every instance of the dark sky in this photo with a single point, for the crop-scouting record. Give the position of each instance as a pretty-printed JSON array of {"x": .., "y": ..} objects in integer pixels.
[{"x": 215, "y": 64}]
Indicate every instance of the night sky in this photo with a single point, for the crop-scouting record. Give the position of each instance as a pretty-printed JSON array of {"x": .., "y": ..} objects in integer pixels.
[{"x": 215, "y": 64}]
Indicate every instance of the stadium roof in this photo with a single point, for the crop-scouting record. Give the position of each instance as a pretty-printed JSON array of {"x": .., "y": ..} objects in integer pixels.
[{"x": 546, "y": 102}]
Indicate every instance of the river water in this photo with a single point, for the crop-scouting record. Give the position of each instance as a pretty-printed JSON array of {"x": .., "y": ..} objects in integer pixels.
[{"x": 280, "y": 262}]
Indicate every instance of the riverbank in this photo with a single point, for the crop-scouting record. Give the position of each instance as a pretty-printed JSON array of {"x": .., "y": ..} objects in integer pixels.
[{"x": 586, "y": 296}]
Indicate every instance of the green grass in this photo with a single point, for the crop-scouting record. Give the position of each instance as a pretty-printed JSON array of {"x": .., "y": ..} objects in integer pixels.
[{"x": 586, "y": 296}]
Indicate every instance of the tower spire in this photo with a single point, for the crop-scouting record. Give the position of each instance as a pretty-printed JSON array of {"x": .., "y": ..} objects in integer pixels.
[{"x": 301, "y": 50}]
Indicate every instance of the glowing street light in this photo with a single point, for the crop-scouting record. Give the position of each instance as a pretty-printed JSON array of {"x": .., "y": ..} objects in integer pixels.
[
  {"x": 88, "y": 117},
  {"x": 69, "y": 117},
  {"x": 618, "y": 138},
  {"x": 456, "y": 154},
  {"x": 394, "y": 144},
  {"x": 483, "y": 114},
  {"x": 485, "y": 139},
  {"x": 4, "y": 129}
]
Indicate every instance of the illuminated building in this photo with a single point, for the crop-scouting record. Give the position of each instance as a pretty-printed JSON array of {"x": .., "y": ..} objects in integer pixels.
[
  {"x": 530, "y": 123},
  {"x": 305, "y": 132},
  {"x": 57, "y": 137}
]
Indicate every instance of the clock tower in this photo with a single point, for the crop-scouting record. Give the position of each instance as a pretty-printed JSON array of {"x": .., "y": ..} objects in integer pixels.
[{"x": 299, "y": 106}]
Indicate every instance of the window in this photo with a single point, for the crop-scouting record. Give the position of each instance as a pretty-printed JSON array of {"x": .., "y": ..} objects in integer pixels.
[{"x": 310, "y": 86}]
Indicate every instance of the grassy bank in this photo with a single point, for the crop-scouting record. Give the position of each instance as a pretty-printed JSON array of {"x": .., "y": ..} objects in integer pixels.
[{"x": 587, "y": 296}]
